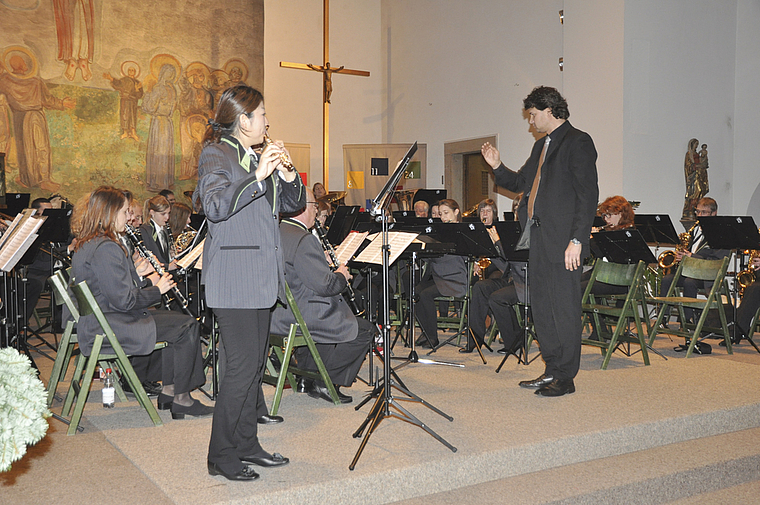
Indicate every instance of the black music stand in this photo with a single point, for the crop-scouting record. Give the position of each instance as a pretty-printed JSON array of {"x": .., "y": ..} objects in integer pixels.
[
  {"x": 16, "y": 202},
  {"x": 385, "y": 400},
  {"x": 472, "y": 241},
  {"x": 342, "y": 223},
  {"x": 657, "y": 229},
  {"x": 431, "y": 196},
  {"x": 509, "y": 235},
  {"x": 732, "y": 232}
]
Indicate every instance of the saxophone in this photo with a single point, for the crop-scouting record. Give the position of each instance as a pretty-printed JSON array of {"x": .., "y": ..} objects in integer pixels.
[
  {"x": 748, "y": 276},
  {"x": 667, "y": 259}
]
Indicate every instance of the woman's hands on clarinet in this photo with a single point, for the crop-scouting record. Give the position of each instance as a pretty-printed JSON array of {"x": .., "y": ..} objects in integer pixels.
[{"x": 271, "y": 160}]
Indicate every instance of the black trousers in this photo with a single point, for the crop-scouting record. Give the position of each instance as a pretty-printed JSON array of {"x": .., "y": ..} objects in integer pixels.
[
  {"x": 342, "y": 360},
  {"x": 502, "y": 304},
  {"x": 479, "y": 308},
  {"x": 748, "y": 307},
  {"x": 690, "y": 287},
  {"x": 555, "y": 300},
  {"x": 425, "y": 310},
  {"x": 181, "y": 359},
  {"x": 245, "y": 334}
]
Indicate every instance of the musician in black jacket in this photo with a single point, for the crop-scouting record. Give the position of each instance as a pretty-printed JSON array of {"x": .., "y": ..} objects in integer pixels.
[{"x": 342, "y": 339}]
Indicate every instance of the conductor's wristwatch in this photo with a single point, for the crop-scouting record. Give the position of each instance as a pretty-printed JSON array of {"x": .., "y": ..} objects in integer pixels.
[{"x": 575, "y": 241}]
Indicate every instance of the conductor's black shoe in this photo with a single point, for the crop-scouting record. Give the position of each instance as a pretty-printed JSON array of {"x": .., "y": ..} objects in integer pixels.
[
  {"x": 318, "y": 391},
  {"x": 246, "y": 473},
  {"x": 275, "y": 459},
  {"x": 557, "y": 387},
  {"x": 267, "y": 419},
  {"x": 197, "y": 409},
  {"x": 537, "y": 383}
]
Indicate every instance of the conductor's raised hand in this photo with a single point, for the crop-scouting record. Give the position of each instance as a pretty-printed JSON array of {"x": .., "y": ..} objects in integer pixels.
[{"x": 491, "y": 155}]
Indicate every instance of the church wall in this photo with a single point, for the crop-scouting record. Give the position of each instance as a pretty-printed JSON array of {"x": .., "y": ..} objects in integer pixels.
[
  {"x": 293, "y": 32},
  {"x": 679, "y": 84},
  {"x": 460, "y": 70},
  {"x": 746, "y": 174},
  {"x": 89, "y": 140}
]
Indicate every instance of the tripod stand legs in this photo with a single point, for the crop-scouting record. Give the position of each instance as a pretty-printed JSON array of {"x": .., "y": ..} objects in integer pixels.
[{"x": 382, "y": 409}]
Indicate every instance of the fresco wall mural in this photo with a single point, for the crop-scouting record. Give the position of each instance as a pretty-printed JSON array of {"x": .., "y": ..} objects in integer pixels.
[{"x": 117, "y": 92}]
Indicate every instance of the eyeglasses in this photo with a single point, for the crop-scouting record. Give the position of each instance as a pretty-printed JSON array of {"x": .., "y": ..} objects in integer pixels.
[
  {"x": 703, "y": 212},
  {"x": 313, "y": 203}
]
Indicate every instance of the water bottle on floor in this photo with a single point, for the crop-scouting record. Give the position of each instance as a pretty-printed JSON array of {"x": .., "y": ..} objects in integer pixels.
[{"x": 108, "y": 390}]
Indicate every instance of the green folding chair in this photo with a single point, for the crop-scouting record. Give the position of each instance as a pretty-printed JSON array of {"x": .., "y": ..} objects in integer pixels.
[
  {"x": 283, "y": 347},
  {"x": 604, "y": 314}
]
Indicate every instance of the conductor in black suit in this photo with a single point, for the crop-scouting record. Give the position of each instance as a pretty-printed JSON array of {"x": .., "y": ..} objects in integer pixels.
[
  {"x": 561, "y": 193},
  {"x": 342, "y": 339}
]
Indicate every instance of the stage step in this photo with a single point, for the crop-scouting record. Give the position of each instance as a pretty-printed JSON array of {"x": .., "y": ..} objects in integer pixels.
[{"x": 718, "y": 469}]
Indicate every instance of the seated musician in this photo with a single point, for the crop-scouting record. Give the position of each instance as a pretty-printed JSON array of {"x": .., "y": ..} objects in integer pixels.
[
  {"x": 435, "y": 211},
  {"x": 421, "y": 208},
  {"x": 497, "y": 294},
  {"x": 125, "y": 299},
  {"x": 324, "y": 209},
  {"x": 696, "y": 248},
  {"x": 488, "y": 214},
  {"x": 749, "y": 304},
  {"x": 155, "y": 233},
  {"x": 618, "y": 214},
  {"x": 446, "y": 276},
  {"x": 342, "y": 339}
]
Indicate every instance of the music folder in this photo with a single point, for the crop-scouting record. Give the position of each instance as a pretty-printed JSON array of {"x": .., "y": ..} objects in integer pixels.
[{"x": 657, "y": 229}]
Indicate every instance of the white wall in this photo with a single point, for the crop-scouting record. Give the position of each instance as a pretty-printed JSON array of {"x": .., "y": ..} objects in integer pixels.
[
  {"x": 746, "y": 174},
  {"x": 679, "y": 84},
  {"x": 459, "y": 70},
  {"x": 293, "y": 98}
]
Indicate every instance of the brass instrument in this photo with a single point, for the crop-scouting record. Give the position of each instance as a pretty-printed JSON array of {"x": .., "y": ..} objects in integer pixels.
[
  {"x": 284, "y": 158},
  {"x": 667, "y": 259},
  {"x": 471, "y": 211},
  {"x": 748, "y": 276},
  {"x": 405, "y": 199},
  {"x": 327, "y": 246},
  {"x": 143, "y": 250},
  {"x": 483, "y": 263},
  {"x": 183, "y": 241}
]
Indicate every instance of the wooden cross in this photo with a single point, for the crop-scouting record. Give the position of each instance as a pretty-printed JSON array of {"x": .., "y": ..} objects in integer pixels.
[{"x": 327, "y": 72}]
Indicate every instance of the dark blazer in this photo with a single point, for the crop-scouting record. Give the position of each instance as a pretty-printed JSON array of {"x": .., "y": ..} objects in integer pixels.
[
  {"x": 153, "y": 244},
  {"x": 449, "y": 272},
  {"x": 316, "y": 289},
  {"x": 568, "y": 193},
  {"x": 242, "y": 260},
  {"x": 114, "y": 283}
]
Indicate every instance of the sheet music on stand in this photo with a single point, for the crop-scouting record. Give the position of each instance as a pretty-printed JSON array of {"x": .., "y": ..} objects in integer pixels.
[
  {"x": 189, "y": 258},
  {"x": 18, "y": 238},
  {"x": 346, "y": 250},
  {"x": 397, "y": 240}
]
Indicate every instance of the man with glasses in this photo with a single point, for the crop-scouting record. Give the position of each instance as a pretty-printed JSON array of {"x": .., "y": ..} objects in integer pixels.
[
  {"x": 342, "y": 339},
  {"x": 697, "y": 248}
]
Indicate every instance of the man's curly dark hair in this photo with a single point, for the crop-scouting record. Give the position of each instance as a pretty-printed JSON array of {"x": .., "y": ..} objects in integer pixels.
[{"x": 542, "y": 97}]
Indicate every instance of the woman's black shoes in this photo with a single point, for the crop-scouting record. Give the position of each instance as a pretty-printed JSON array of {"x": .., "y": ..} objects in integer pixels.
[
  {"x": 164, "y": 401},
  {"x": 246, "y": 473},
  {"x": 266, "y": 460},
  {"x": 197, "y": 409}
]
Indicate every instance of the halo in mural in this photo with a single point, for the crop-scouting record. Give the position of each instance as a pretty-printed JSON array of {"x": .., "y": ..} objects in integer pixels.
[
  {"x": 195, "y": 126},
  {"x": 219, "y": 78},
  {"x": 236, "y": 63},
  {"x": 30, "y": 61},
  {"x": 156, "y": 64},
  {"x": 130, "y": 64},
  {"x": 198, "y": 68}
]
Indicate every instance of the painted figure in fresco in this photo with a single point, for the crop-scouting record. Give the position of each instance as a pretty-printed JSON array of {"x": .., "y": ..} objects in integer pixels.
[
  {"x": 695, "y": 173},
  {"x": 194, "y": 101},
  {"x": 74, "y": 27},
  {"x": 28, "y": 97},
  {"x": 130, "y": 91},
  {"x": 159, "y": 103}
]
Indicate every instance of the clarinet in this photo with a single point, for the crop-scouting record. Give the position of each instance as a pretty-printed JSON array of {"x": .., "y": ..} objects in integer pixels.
[
  {"x": 327, "y": 246},
  {"x": 142, "y": 249}
]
